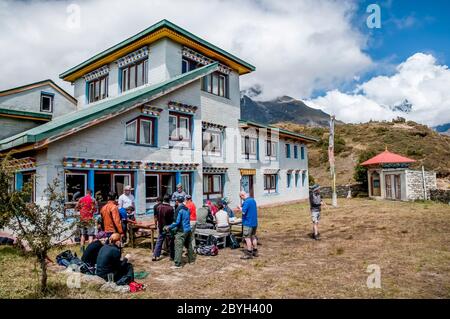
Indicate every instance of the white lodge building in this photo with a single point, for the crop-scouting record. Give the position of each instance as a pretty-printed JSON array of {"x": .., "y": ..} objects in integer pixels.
[{"x": 161, "y": 108}]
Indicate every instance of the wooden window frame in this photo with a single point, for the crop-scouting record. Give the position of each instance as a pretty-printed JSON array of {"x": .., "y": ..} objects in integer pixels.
[
  {"x": 66, "y": 199},
  {"x": 158, "y": 186},
  {"x": 178, "y": 116},
  {"x": 270, "y": 187},
  {"x": 126, "y": 74},
  {"x": 216, "y": 151},
  {"x": 247, "y": 146},
  {"x": 138, "y": 121},
  {"x": 49, "y": 96},
  {"x": 210, "y": 182},
  {"x": 222, "y": 81},
  {"x": 92, "y": 89},
  {"x": 288, "y": 150}
]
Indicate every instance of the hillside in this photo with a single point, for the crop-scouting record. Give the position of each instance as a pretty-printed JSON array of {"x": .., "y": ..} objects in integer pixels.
[
  {"x": 282, "y": 109},
  {"x": 416, "y": 141}
]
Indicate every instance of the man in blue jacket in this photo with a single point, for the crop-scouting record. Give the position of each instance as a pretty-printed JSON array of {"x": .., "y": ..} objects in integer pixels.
[
  {"x": 183, "y": 234},
  {"x": 250, "y": 224}
]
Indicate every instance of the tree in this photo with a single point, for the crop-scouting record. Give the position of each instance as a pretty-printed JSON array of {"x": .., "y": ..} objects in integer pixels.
[
  {"x": 360, "y": 174},
  {"x": 40, "y": 227}
]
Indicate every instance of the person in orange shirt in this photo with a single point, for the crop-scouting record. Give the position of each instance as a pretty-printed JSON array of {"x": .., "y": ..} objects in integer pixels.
[
  {"x": 193, "y": 213},
  {"x": 111, "y": 217}
]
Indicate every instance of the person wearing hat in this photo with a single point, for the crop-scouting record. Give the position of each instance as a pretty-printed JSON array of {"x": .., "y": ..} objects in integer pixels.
[
  {"x": 179, "y": 192},
  {"x": 183, "y": 234},
  {"x": 315, "y": 202},
  {"x": 91, "y": 252},
  {"x": 126, "y": 199}
]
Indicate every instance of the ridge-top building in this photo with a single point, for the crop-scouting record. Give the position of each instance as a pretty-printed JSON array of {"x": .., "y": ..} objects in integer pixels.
[{"x": 160, "y": 108}]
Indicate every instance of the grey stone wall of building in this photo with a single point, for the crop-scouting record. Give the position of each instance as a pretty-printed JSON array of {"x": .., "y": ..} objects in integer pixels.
[
  {"x": 358, "y": 190},
  {"x": 414, "y": 183}
]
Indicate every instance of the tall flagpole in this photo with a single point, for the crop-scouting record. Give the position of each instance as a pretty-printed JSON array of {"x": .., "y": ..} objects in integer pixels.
[{"x": 331, "y": 160}]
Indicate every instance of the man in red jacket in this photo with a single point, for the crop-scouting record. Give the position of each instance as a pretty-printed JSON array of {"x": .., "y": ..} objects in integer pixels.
[{"x": 86, "y": 207}]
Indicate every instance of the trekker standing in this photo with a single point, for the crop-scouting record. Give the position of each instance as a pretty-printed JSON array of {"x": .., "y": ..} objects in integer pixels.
[
  {"x": 315, "y": 203},
  {"x": 183, "y": 233},
  {"x": 193, "y": 215},
  {"x": 164, "y": 217},
  {"x": 179, "y": 193},
  {"x": 111, "y": 217},
  {"x": 250, "y": 224},
  {"x": 86, "y": 207},
  {"x": 126, "y": 199}
]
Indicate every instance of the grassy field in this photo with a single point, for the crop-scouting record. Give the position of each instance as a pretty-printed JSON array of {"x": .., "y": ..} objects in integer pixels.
[{"x": 409, "y": 241}]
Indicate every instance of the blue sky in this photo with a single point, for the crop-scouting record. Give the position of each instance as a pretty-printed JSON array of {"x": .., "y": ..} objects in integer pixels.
[{"x": 407, "y": 27}]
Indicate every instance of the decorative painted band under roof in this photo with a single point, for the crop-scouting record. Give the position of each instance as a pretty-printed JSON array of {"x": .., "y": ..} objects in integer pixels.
[
  {"x": 298, "y": 171},
  {"x": 75, "y": 162},
  {"x": 180, "y": 107},
  {"x": 200, "y": 58},
  {"x": 133, "y": 57},
  {"x": 271, "y": 171},
  {"x": 214, "y": 170},
  {"x": 104, "y": 70},
  {"x": 213, "y": 126},
  {"x": 151, "y": 110}
]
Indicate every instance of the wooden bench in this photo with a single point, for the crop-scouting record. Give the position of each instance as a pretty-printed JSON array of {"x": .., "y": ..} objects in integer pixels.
[
  {"x": 201, "y": 235},
  {"x": 147, "y": 230}
]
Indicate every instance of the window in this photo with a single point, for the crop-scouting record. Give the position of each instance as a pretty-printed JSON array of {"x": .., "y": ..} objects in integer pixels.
[
  {"x": 98, "y": 89},
  {"x": 120, "y": 181},
  {"x": 271, "y": 148},
  {"x": 151, "y": 187},
  {"x": 270, "y": 183},
  {"x": 303, "y": 178},
  {"x": 179, "y": 129},
  {"x": 29, "y": 178},
  {"x": 288, "y": 150},
  {"x": 302, "y": 152},
  {"x": 76, "y": 184},
  {"x": 186, "y": 182},
  {"x": 216, "y": 83},
  {"x": 288, "y": 179},
  {"x": 212, "y": 185},
  {"x": 134, "y": 75},
  {"x": 188, "y": 65},
  {"x": 295, "y": 151},
  {"x": 212, "y": 142},
  {"x": 249, "y": 147},
  {"x": 141, "y": 131},
  {"x": 296, "y": 179},
  {"x": 47, "y": 102}
]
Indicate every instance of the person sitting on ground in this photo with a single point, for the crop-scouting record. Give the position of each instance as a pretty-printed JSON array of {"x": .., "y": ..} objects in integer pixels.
[
  {"x": 183, "y": 233},
  {"x": 111, "y": 216},
  {"x": 222, "y": 220},
  {"x": 91, "y": 252},
  {"x": 109, "y": 262},
  {"x": 163, "y": 218}
]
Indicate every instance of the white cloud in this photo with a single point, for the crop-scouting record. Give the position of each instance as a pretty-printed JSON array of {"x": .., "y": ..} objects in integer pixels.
[
  {"x": 296, "y": 46},
  {"x": 419, "y": 79}
]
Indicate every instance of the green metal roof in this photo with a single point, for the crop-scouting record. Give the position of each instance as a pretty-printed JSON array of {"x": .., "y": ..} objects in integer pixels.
[
  {"x": 96, "y": 110},
  {"x": 37, "y": 115},
  {"x": 149, "y": 30},
  {"x": 281, "y": 130}
]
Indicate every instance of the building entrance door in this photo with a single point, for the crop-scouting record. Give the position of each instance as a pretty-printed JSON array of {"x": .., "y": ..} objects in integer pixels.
[{"x": 247, "y": 184}]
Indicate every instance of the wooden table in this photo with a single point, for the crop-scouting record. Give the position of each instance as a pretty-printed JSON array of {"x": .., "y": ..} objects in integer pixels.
[{"x": 146, "y": 226}]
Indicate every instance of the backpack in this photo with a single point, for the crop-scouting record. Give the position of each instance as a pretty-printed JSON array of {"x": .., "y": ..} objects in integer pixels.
[
  {"x": 66, "y": 258},
  {"x": 232, "y": 242},
  {"x": 211, "y": 241},
  {"x": 207, "y": 250}
]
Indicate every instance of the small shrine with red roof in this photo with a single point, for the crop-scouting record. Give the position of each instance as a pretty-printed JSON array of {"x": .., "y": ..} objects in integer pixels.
[{"x": 390, "y": 177}]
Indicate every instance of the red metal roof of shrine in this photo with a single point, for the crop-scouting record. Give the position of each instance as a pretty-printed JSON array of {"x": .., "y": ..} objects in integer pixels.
[{"x": 387, "y": 157}]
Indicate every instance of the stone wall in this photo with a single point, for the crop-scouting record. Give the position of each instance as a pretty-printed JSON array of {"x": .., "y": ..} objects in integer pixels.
[
  {"x": 440, "y": 195},
  {"x": 414, "y": 181},
  {"x": 358, "y": 190}
]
